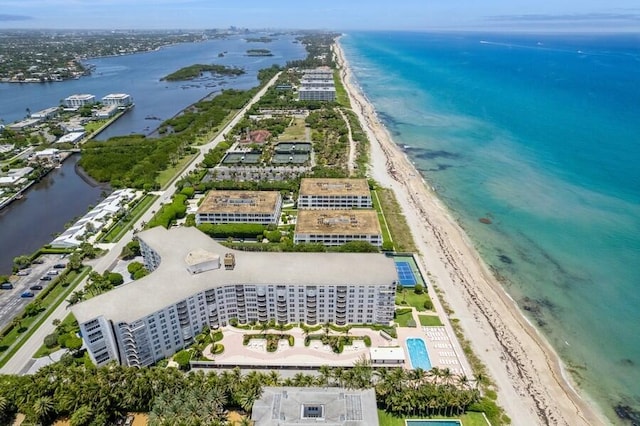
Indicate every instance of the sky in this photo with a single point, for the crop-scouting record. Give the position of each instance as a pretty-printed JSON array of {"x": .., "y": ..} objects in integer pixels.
[{"x": 339, "y": 15}]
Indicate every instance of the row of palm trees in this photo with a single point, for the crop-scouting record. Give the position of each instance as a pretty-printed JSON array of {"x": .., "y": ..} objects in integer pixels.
[{"x": 89, "y": 395}]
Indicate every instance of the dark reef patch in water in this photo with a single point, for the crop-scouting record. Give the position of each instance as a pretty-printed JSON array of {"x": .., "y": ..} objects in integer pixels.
[
  {"x": 625, "y": 412},
  {"x": 432, "y": 154},
  {"x": 439, "y": 167},
  {"x": 505, "y": 259}
]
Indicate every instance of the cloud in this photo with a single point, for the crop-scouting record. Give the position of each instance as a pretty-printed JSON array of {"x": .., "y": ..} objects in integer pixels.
[
  {"x": 575, "y": 17},
  {"x": 6, "y": 17}
]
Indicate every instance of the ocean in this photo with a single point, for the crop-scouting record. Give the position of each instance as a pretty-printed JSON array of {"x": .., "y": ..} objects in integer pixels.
[{"x": 540, "y": 134}]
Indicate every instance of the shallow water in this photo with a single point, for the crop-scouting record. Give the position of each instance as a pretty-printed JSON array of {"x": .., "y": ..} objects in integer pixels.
[{"x": 541, "y": 135}]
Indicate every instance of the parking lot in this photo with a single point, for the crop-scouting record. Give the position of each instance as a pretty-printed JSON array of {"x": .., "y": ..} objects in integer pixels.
[{"x": 11, "y": 302}]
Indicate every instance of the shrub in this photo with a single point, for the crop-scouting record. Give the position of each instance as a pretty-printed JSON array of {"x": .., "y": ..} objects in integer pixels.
[
  {"x": 217, "y": 349},
  {"x": 367, "y": 341},
  {"x": 418, "y": 289},
  {"x": 291, "y": 340},
  {"x": 51, "y": 340},
  {"x": 217, "y": 336},
  {"x": 428, "y": 305},
  {"x": 182, "y": 358}
]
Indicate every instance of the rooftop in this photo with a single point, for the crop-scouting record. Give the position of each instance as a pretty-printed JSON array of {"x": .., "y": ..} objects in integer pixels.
[
  {"x": 320, "y": 186},
  {"x": 338, "y": 222},
  {"x": 279, "y": 406},
  {"x": 171, "y": 282},
  {"x": 240, "y": 202}
]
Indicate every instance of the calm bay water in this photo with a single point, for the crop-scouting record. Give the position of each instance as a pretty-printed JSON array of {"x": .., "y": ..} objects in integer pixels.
[
  {"x": 541, "y": 134},
  {"x": 30, "y": 223}
]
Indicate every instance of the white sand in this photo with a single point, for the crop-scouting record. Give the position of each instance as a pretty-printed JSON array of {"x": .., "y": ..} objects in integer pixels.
[{"x": 532, "y": 385}]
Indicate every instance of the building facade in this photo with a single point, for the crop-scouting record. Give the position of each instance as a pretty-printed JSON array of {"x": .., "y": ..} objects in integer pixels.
[
  {"x": 334, "y": 194},
  {"x": 118, "y": 99},
  {"x": 219, "y": 207},
  {"x": 337, "y": 227},
  {"x": 189, "y": 288},
  {"x": 317, "y": 85},
  {"x": 78, "y": 101}
]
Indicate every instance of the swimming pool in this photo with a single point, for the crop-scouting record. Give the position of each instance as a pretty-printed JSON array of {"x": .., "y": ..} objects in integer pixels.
[
  {"x": 418, "y": 354},
  {"x": 433, "y": 422}
]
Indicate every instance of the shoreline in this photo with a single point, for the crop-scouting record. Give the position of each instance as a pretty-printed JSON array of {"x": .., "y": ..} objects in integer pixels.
[{"x": 533, "y": 385}]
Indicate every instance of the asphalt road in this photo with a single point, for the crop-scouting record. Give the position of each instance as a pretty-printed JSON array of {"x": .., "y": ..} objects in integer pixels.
[{"x": 22, "y": 359}]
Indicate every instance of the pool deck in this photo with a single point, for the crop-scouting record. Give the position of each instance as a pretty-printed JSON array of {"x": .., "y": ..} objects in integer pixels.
[
  {"x": 443, "y": 350},
  {"x": 316, "y": 354}
]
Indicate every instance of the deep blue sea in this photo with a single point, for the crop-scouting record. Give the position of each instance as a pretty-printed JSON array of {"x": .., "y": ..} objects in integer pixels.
[{"x": 540, "y": 133}]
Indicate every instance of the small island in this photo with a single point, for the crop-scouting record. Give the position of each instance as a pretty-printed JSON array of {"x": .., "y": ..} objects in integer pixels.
[
  {"x": 259, "y": 39},
  {"x": 259, "y": 52},
  {"x": 194, "y": 71}
]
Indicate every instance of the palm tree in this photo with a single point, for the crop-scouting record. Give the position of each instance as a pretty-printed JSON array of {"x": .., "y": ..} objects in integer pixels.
[
  {"x": 81, "y": 416},
  {"x": 43, "y": 408}
]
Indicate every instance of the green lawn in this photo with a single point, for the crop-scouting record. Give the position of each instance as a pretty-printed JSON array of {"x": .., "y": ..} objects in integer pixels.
[
  {"x": 468, "y": 419},
  {"x": 430, "y": 320},
  {"x": 341, "y": 94},
  {"x": 386, "y": 234},
  {"x": 295, "y": 132},
  {"x": 167, "y": 175},
  {"x": 409, "y": 298},
  {"x": 395, "y": 221},
  {"x": 403, "y": 318}
]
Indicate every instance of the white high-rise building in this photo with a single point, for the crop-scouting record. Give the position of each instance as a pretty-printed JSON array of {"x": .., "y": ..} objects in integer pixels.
[{"x": 195, "y": 282}]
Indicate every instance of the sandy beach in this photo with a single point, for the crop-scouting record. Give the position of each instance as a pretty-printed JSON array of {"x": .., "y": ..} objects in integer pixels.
[{"x": 532, "y": 385}]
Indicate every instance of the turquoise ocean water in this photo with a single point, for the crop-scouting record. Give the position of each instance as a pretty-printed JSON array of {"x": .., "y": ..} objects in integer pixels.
[{"x": 541, "y": 134}]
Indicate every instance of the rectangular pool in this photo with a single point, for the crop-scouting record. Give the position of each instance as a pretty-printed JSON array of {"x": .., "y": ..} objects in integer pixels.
[
  {"x": 418, "y": 354},
  {"x": 433, "y": 422}
]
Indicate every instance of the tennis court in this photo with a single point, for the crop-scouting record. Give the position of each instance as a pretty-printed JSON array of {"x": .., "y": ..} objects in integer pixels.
[{"x": 406, "y": 276}]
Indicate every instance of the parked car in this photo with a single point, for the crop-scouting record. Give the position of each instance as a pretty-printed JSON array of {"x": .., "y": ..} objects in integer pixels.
[
  {"x": 45, "y": 278},
  {"x": 23, "y": 272},
  {"x": 35, "y": 287},
  {"x": 6, "y": 286},
  {"x": 38, "y": 261},
  {"x": 27, "y": 294},
  {"x": 59, "y": 266},
  {"x": 52, "y": 272}
]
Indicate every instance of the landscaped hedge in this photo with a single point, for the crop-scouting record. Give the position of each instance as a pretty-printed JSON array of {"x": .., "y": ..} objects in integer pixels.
[{"x": 235, "y": 230}]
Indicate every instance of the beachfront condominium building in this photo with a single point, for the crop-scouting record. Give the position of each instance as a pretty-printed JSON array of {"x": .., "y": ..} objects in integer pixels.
[
  {"x": 218, "y": 207},
  {"x": 78, "y": 101},
  {"x": 196, "y": 282},
  {"x": 320, "y": 73},
  {"x": 336, "y": 227},
  {"x": 120, "y": 100},
  {"x": 317, "y": 85},
  {"x": 319, "y": 193},
  {"x": 325, "y": 94}
]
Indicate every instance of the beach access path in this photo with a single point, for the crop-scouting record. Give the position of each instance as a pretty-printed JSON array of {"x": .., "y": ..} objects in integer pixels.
[{"x": 532, "y": 385}]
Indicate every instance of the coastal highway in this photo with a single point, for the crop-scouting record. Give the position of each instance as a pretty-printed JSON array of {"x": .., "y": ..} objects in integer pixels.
[{"x": 23, "y": 358}]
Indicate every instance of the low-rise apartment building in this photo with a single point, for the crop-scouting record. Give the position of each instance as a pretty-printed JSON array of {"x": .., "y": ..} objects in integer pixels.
[
  {"x": 218, "y": 207},
  {"x": 320, "y": 193},
  {"x": 196, "y": 282},
  {"x": 336, "y": 227},
  {"x": 78, "y": 101},
  {"x": 120, "y": 100}
]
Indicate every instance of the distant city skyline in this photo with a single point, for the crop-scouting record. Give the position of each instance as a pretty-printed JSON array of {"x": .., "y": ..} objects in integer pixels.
[{"x": 527, "y": 15}]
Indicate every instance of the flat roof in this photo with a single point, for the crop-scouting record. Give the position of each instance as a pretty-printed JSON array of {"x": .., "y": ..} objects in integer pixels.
[
  {"x": 239, "y": 202},
  {"x": 82, "y": 96},
  {"x": 171, "y": 282},
  {"x": 338, "y": 222},
  {"x": 298, "y": 406},
  {"x": 343, "y": 186},
  {"x": 383, "y": 353}
]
